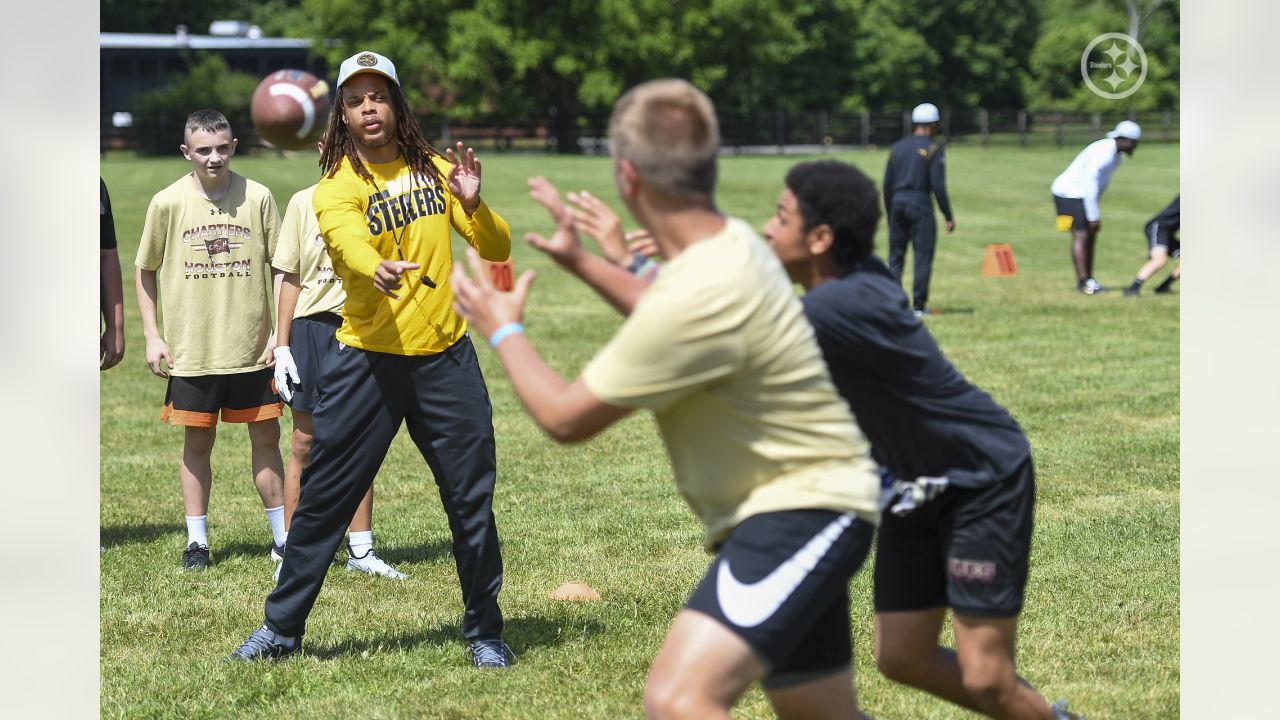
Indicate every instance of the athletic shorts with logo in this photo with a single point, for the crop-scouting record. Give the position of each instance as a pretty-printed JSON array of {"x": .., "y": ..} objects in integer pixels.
[
  {"x": 1159, "y": 233},
  {"x": 781, "y": 582},
  {"x": 240, "y": 398},
  {"x": 1073, "y": 208},
  {"x": 311, "y": 338},
  {"x": 967, "y": 549}
]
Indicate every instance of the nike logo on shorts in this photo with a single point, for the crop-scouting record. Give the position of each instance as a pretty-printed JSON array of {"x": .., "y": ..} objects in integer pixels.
[{"x": 749, "y": 605}]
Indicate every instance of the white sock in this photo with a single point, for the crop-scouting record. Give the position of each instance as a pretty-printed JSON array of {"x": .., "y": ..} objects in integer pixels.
[
  {"x": 284, "y": 537},
  {"x": 198, "y": 530},
  {"x": 361, "y": 543},
  {"x": 275, "y": 516}
]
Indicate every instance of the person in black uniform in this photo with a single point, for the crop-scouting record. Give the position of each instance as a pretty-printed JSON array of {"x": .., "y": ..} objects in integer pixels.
[
  {"x": 111, "y": 291},
  {"x": 917, "y": 167},
  {"x": 1162, "y": 244},
  {"x": 960, "y": 483}
]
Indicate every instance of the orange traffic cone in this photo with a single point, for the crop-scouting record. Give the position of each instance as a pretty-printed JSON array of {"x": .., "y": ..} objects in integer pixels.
[
  {"x": 503, "y": 274},
  {"x": 997, "y": 261}
]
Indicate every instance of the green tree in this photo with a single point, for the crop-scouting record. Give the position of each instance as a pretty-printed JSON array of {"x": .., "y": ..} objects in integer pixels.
[{"x": 209, "y": 83}]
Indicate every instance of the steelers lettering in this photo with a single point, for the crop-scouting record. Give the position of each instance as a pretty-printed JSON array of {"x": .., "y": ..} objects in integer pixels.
[{"x": 392, "y": 212}]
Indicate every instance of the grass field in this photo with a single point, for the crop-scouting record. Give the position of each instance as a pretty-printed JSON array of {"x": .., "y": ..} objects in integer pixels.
[{"x": 1093, "y": 380}]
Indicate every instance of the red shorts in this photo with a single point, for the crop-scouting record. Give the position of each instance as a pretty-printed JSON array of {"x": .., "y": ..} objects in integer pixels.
[{"x": 241, "y": 398}]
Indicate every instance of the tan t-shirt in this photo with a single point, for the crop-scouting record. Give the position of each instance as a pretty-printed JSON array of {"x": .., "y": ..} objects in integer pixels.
[
  {"x": 301, "y": 250},
  {"x": 719, "y": 348},
  {"x": 212, "y": 268}
]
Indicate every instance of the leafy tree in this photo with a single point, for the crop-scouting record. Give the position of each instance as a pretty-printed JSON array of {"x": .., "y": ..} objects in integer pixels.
[{"x": 209, "y": 83}]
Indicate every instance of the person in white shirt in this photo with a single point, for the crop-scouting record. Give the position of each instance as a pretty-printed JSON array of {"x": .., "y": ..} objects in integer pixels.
[{"x": 1078, "y": 189}]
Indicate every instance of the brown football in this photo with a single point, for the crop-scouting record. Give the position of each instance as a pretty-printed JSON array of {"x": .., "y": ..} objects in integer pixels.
[{"x": 290, "y": 109}]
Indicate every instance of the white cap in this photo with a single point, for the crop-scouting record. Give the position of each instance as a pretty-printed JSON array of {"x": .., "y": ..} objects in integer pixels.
[
  {"x": 366, "y": 61},
  {"x": 1126, "y": 129},
  {"x": 925, "y": 113}
]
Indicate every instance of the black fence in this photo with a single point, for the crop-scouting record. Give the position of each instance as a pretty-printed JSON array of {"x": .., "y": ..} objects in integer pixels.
[{"x": 766, "y": 132}]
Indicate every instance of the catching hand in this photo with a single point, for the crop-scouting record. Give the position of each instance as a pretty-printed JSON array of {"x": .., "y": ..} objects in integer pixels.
[
  {"x": 563, "y": 246},
  {"x": 483, "y": 305},
  {"x": 602, "y": 224}
]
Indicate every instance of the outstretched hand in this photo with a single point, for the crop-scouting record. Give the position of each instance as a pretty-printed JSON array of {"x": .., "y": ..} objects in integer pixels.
[
  {"x": 483, "y": 305},
  {"x": 563, "y": 246},
  {"x": 601, "y": 223},
  {"x": 464, "y": 177}
]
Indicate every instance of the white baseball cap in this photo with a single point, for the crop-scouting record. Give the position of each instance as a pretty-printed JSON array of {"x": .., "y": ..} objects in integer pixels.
[
  {"x": 367, "y": 61},
  {"x": 1126, "y": 129},
  {"x": 925, "y": 113}
]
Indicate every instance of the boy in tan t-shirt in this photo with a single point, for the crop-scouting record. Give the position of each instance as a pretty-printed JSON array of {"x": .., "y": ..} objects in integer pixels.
[{"x": 206, "y": 249}]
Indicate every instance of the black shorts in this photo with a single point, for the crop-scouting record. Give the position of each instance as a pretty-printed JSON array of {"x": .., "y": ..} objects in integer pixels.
[
  {"x": 1073, "y": 208},
  {"x": 1165, "y": 234},
  {"x": 240, "y": 397},
  {"x": 310, "y": 339},
  {"x": 967, "y": 549},
  {"x": 781, "y": 583}
]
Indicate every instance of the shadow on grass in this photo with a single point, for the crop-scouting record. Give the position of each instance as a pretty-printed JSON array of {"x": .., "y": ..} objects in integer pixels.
[
  {"x": 391, "y": 553},
  {"x": 116, "y": 535},
  {"x": 521, "y": 634}
]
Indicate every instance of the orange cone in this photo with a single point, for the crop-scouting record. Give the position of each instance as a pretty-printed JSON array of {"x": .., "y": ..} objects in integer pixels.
[
  {"x": 997, "y": 261},
  {"x": 501, "y": 273}
]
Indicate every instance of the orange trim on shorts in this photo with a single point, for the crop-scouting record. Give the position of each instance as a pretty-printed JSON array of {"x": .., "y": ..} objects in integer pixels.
[
  {"x": 187, "y": 418},
  {"x": 262, "y": 412}
]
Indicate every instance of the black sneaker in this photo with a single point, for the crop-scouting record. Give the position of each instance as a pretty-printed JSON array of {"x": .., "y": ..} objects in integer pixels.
[
  {"x": 491, "y": 654},
  {"x": 922, "y": 312},
  {"x": 1134, "y": 291},
  {"x": 195, "y": 557},
  {"x": 1165, "y": 286},
  {"x": 264, "y": 644}
]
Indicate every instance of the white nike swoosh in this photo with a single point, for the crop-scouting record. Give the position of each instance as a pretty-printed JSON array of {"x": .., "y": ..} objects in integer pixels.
[{"x": 749, "y": 605}]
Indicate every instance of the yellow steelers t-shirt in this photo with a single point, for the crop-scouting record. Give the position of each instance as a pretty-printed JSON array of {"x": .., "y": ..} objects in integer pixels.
[
  {"x": 212, "y": 263},
  {"x": 301, "y": 250},
  {"x": 719, "y": 348},
  {"x": 400, "y": 216}
]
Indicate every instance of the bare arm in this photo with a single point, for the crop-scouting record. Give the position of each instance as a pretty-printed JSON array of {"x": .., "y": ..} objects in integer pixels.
[
  {"x": 289, "y": 289},
  {"x": 618, "y": 287},
  {"x": 111, "y": 346},
  {"x": 568, "y": 412},
  {"x": 157, "y": 349}
]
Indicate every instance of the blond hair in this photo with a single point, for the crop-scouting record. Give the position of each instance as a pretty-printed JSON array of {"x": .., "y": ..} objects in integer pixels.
[{"x": 668, "y": 130}]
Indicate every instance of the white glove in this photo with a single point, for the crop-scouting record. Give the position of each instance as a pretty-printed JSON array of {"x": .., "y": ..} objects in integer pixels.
[{"x": 286, "y": 372}]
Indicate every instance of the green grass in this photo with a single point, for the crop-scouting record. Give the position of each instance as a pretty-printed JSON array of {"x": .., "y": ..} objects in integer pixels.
[{"x": 1093, "y": 380}]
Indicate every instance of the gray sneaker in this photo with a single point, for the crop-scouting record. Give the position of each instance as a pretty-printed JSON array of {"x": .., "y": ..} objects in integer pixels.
[
  {"x": 195, "y": 557},
  {"x": 1060, "y": 712},
  {"x": 264, "y": 644},
  {"x": 491, "y": 654}
]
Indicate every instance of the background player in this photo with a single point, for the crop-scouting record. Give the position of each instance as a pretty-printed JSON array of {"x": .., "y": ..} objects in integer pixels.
[
  {"x": 763, "y": 449},
  {"x": 385, "y": 206},
  {"x": 111, "y": 291},
  {"x": 206, "y": 246},
  {"x": 1162, "y": 244},
  {"x": 967, "y": 546},
  {"x": 917, "y": 168},
  {"x": 309, "y": 313},
  {"x": 1078, "y": 191}
]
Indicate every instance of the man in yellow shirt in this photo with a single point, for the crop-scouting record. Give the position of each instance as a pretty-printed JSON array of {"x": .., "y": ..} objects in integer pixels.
[
  {"x": 763, "y": 449},
  {"x": 205, "y": 253},
  {"x": 385, "y": 205}
]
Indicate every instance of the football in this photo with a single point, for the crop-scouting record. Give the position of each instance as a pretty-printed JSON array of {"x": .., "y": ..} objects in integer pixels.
[{"x": 290, "y": 109}]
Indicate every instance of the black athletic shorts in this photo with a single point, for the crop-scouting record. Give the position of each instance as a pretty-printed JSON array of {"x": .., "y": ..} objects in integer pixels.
[
  {"x": 241, "y": 398},
  {"x": 781, "y": 583},
  {"x": 967, "y": 549},
  {"x": 1165, "y": 234},
  {"x": 310, "y": 339},
  {"x": 1073, "y": 208}
]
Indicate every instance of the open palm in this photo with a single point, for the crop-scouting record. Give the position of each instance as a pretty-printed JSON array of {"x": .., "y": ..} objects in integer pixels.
[{"x": 464, "y": 177}]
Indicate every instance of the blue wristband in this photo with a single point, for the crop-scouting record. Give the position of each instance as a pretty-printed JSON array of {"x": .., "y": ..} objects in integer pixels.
[{"x": 503, "y": 332}]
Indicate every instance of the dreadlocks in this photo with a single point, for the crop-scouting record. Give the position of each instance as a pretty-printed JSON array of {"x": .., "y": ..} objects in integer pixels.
[{"x": 418, "y": 153}]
